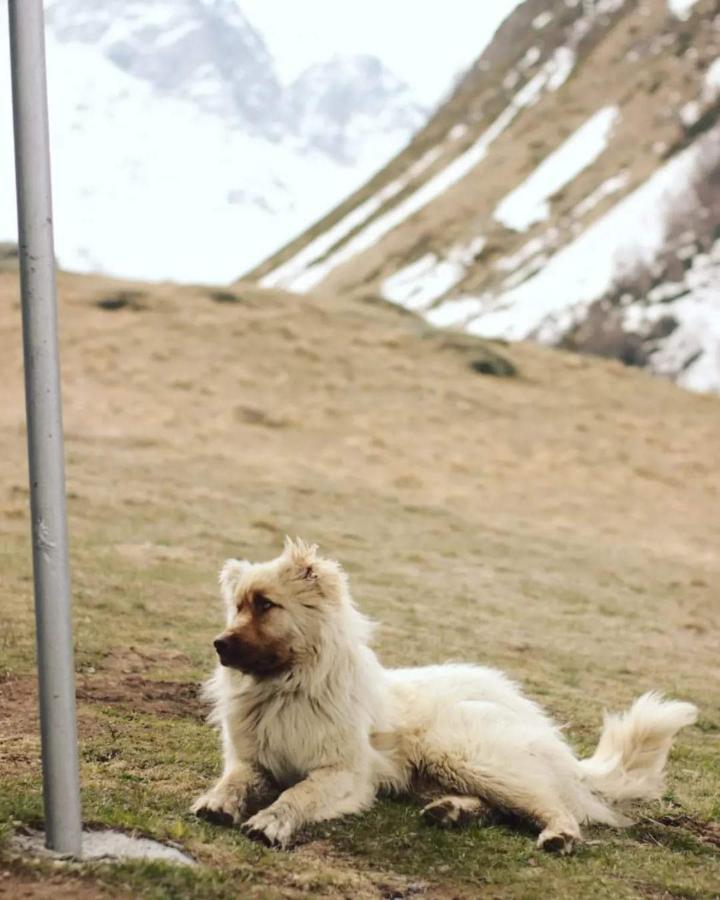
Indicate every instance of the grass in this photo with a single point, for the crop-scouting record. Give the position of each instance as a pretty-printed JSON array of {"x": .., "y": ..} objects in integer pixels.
[{"x": 499, "y": 520}]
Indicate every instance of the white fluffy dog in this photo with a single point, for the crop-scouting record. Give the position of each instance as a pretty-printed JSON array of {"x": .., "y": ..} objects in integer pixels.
[{"x": 310, "y": 717}]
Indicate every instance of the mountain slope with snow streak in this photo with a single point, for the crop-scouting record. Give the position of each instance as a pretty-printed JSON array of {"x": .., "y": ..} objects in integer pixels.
[{"x": 563, "y": 193}]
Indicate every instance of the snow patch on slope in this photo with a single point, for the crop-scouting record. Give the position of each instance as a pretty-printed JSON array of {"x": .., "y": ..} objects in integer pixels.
[
  {"x": 711, "y": 82},
  {"x": 547, "y": 304},
  {"x": 453, "y": 313},
  {"x": 539, "y": 22},
  {"x": 563, "y": 62},
  {"x": 690, "y": 354},
  {"x": 426, "y": 279},
  {"x": 423, "y": 281},
  {"x": 678, "y": 322},
  {"x": 681, "y": 9},
  {"x": 529, "y": 202}
]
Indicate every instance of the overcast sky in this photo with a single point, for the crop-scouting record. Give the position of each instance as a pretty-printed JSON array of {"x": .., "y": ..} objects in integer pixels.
[{"x": 425, "y": 43}]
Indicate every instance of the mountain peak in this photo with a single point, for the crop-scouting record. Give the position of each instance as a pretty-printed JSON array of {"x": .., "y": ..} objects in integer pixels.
[
  {"x": 175, "y": 108},
  {"x": 202, "y": 50},
  {"x": 208, "y": 52},
  {"x": 342, "y": 101}
]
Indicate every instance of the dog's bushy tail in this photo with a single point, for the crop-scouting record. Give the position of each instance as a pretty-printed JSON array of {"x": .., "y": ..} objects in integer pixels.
[{"x": 630, "y": 758}]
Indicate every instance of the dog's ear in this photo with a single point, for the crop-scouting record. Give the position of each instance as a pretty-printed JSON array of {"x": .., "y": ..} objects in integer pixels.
[
  {"x": 230, "y": 575},
  {"x": 321, "y": 576},
  {"x": 302, "y": 557}
]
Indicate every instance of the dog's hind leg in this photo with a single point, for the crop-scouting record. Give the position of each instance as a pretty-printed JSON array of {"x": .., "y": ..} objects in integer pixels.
[
  {"x": 502, "y": 788},
  {"x": 454, "y": 810}
]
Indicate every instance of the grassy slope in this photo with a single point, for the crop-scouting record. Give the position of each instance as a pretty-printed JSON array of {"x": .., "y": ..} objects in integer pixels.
[{"x": 562, "y": 525}]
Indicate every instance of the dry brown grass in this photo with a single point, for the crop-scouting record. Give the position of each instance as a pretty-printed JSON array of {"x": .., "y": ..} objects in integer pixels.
[{"x": 561, "y": 524}]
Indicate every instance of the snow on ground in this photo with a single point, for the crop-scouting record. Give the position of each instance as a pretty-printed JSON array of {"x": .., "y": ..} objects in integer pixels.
[
  {"x": 457, "y": 131},
  {"x": 419, "y": 284},
  {"x": 634, "y": 229},
  {"x": 556, "y": 296},
  {"x": 551, "y": 76},
  {"x": 531, "y": 57},
  {"x": 693, "y": 110},
  {"x": 690, "y": 112},
  {"x": 691, "y": 353},
  {"x": 423, "y": 281},
  {"x": 525, "y": 271},
  {"x": 529, "y": 203},
  {"x": 563, "y": 62},
  {"x": 526, "y": 261},
  {"x": 539, "y": 22},
  {"x": 681, "y": 9},
  {"x": 711, "y": 82}
]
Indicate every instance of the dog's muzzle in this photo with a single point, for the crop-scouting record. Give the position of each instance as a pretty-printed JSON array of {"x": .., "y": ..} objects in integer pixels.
[
  {"x": 224, "y": 650},
  {"x": 251, "y": 659}
]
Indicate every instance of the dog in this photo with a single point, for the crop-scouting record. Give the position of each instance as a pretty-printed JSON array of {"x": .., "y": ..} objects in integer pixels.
[{"x": 313, "y": 727}]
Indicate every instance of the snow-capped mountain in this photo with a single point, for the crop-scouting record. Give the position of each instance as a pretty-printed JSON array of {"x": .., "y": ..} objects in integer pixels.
[
  {"x": 566, "y": 192},
  {"x": 205, "y": 52},
  {"x": 177, "y": 151},
  {"x": 343, "y": 103}
]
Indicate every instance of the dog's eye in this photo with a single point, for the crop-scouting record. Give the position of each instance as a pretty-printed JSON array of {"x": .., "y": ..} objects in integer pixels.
[{"x": 262, "y": 604}]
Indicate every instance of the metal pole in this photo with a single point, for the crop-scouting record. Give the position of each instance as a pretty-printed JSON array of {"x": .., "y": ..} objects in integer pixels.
[{"x": 56, "y": 676}]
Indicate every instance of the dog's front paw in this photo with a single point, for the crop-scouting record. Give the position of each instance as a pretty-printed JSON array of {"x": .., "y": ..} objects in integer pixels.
[
  {"x": 219, "y": 807},
  {"x": 273, "y": 826}
]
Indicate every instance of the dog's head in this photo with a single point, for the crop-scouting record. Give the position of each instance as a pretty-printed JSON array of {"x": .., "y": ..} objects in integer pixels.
[{"x": 279, "y": 612}]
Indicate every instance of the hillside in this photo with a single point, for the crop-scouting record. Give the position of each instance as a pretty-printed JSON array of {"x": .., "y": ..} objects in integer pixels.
[
  {"x": 559, "y": 522},
  {"x": 177, "y": 109},
  {"x": 567, "y": 192}
]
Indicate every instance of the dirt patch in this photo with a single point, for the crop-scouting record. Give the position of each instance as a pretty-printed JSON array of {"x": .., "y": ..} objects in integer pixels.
[
  {"x": 705, "y": 832},
  {"x": 19, "y": 724},
  {"x": 656, "y": 892},
  {"x": 369, "y": 884},
  {"x": 20, "y": 885},
  {"x": 160, "y": 698},
  {"x": 679, "y": 832}
]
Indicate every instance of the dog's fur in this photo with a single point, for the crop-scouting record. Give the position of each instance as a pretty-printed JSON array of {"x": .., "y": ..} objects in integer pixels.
[{"x": 310, "y": 717}]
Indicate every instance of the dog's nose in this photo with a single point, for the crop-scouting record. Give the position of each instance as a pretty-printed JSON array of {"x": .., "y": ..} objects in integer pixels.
[{"x": 222, "y": 645}]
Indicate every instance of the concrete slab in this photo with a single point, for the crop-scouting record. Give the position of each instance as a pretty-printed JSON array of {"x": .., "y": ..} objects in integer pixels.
[{"x": 108, "y": 845}]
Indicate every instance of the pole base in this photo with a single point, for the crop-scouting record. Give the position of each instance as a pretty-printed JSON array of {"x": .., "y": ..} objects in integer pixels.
[{"x": 113, "y": 846}]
